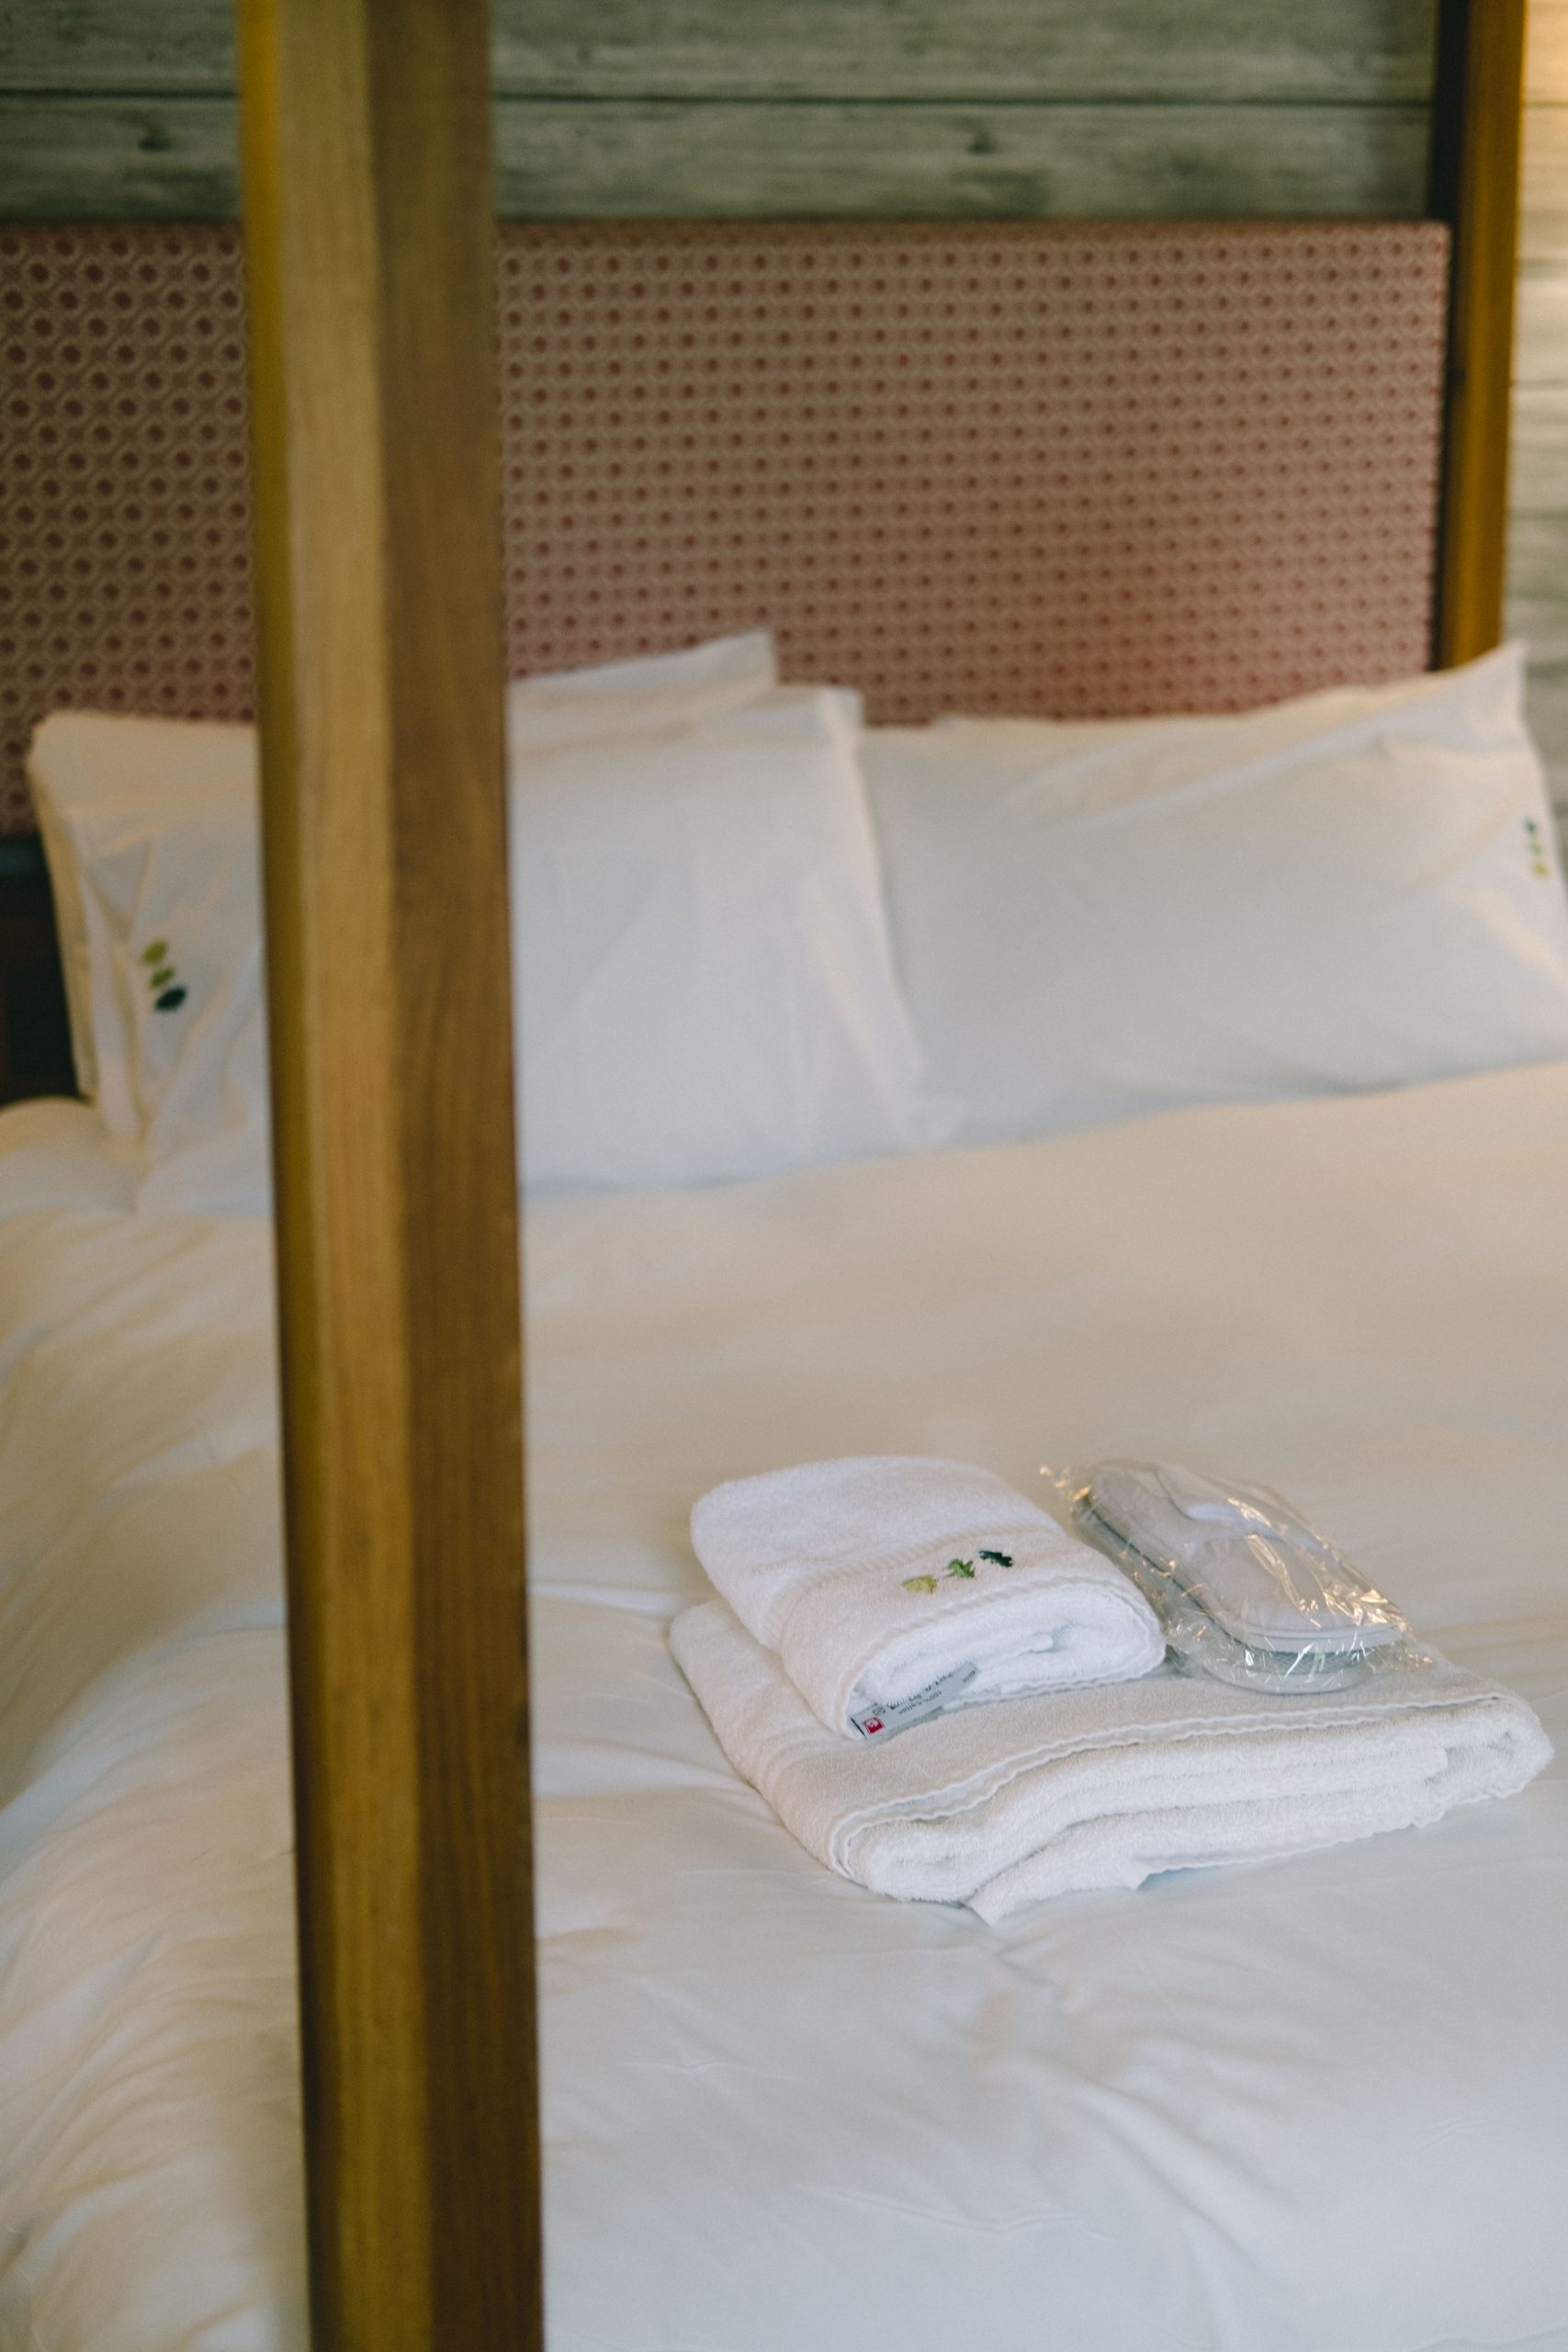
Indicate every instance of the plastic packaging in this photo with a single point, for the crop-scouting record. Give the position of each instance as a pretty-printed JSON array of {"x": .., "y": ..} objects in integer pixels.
[{"x": 1245, "y": 1589}]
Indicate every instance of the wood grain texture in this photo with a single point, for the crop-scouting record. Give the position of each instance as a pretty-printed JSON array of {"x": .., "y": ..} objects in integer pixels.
[
  {"x": 122, "y": 45},
  {"x": 773, "y": 109},
  {"x": 379, "y": 578},
  {"x": 114, "y": 158},
  {"x": 1477, "y": 107},
  {"x": 176, "y": 158},
  {"x": 1344, "y": 52},
  {"x": 635, "y": 160},
  {"x": 1349, "y": 51}
]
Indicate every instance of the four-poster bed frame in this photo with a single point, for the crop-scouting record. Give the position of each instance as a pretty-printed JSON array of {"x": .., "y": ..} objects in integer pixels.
[
  {"x": 379, "y": 573},
  {"x": 381, "y": 671}
]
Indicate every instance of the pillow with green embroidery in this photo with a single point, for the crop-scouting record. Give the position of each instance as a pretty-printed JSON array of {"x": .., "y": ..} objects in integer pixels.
[
  {"x": 102, "y": 786},
  {"x": 188, "y": 959},
  {"x": 154, "y": 851},
  {"x": 89, "y": 768},
  {"x": 704, "y": 980}
]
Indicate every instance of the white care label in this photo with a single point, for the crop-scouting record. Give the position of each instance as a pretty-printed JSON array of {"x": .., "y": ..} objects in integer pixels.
[{"x": 881, "y": 1722}]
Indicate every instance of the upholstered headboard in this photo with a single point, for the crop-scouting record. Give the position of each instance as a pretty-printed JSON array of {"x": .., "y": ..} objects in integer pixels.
[{"x": 1080, "y": 468}]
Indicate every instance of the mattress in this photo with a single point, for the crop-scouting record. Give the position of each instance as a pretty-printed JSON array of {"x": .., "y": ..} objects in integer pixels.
[{"x": 1312, "y": 2106}]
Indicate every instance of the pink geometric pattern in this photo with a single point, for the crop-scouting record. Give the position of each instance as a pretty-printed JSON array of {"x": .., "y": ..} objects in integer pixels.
[
  {"x": 124, "y": 501},
  {"x": 1070, "y": 469}
]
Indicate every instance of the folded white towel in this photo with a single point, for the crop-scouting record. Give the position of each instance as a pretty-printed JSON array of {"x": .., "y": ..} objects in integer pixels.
[
  {"x": 998, "y": 1806},
  {"x": 893, "y": 1585}
]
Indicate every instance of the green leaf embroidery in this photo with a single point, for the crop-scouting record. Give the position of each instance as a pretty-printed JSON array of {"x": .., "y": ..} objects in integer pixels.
[
  {"x": 1002, "y": 1559},
  {"x": 163, "y": 976},
  {"x": 920, "y": 1584},
  {"x": 157, "y": 954},
  {"x": 961, "y": 1567}
]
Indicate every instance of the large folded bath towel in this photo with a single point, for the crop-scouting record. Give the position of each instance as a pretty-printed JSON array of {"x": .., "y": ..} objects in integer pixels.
[
  {"x": 893, "y": 1587},
  {"x": 998, "y": 1806}
]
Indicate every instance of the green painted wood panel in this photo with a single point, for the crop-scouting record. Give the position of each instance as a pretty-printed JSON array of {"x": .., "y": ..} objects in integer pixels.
[
  {"x": 125, "y": 45},
  {"x": 722, "y": 161},
  {"x": 118, "y": 159},
  {"x": 1350, "y": 51},
  {"x": 175, "y": 158}
]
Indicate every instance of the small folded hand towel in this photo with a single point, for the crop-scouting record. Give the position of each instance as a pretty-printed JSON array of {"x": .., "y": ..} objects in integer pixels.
[
  {"x": 895, "y": 1586},
  {"x": 1089, "y": 1788}
]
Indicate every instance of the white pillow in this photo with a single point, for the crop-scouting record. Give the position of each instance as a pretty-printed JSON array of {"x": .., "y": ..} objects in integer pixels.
[
  {"x": 622, "y": 698},
  {"x": 1095, "y": 920},
  {"x": 176, "y": 878},
  {"x": 726, "y": 873},
  {"x": 104, "y": 789},
  {"x": 701, "y": 956},
  {"x": 79, "y": 761}
]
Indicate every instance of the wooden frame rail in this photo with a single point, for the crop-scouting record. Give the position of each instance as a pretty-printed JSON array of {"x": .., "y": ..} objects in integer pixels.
[
  {"x": 1477, "y": 112},
  {"x": 379, "y": 581}
]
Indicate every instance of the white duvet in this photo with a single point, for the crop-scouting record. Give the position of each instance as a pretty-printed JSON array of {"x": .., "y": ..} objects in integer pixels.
[{"x": 1320, "y": 2106}]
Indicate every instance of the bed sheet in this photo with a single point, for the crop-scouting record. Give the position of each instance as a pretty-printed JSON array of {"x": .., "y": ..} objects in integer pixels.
[{"x": 1314, "y": 2107}]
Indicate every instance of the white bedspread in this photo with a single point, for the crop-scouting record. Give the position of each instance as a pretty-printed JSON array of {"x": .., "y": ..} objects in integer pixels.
[{"x": 1316, "y": 2106}]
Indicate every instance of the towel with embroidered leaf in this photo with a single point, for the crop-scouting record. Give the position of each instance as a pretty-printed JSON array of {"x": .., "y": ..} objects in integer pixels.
[{"x": 892, "y": 1588}]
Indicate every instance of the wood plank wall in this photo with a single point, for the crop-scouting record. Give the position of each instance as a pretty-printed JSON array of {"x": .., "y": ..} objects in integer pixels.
[
  {"x": 756, "y": 108},
  {"x": 943, "y": 109}
]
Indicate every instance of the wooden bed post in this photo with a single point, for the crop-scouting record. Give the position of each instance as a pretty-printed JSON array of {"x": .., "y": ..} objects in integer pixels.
[
  {"x": 372, "y": 290},
  {"x": 1476, "y": 117}
]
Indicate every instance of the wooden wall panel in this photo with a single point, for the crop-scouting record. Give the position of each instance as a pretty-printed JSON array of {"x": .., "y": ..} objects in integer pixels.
[
  {"x": 103, "y": 156},
  {"x": 172, "y": 158},
  {"x": 1537, "y": 561},
  {"x": 51, "y": 45},
  {"x": 1477, "y": 103},
  {"x": 1344, "y": 51},
  {"x": 1355, "y": 51},
  {"x": 836, "y": 108},
  {"x": 628, "y": 159}
]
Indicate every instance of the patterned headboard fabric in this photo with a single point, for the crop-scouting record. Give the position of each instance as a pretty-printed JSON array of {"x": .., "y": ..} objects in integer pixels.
[{"x": 1080, "y": 468}]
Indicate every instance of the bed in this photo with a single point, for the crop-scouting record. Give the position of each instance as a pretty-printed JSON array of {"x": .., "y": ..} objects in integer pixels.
[{"x": 1313, "y": 2105}]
